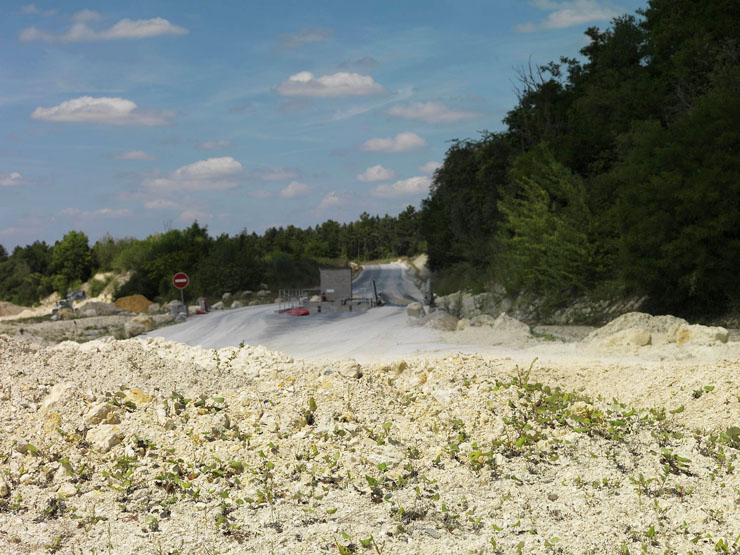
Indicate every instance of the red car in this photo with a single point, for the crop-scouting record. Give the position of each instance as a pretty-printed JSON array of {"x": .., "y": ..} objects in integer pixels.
[{"x": 298, "y": 311}]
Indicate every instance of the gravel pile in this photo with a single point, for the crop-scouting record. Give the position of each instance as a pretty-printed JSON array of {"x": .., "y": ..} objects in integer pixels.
[{"x": 147, "y": 446}]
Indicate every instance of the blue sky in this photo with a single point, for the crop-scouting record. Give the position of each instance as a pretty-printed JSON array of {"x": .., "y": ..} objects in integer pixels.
[{"x": 132, "y": 118}]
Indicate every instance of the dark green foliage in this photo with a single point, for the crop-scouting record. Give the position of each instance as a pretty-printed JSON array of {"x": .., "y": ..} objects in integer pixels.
[
  {"x": 281, "y": 258},
  {"x": 638, "y": 185},
  {"x": 25, "y": 275},
  {"x": 71, "y": 261},
  {"x": 680, "y": 205},
  {"x": 546, "y": 248}
]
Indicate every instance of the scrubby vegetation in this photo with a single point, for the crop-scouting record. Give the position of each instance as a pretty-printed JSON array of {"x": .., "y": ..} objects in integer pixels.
[
  {"x": 616, "y": 172},
  {"x": 281, "y": 257},
  {"x": 620, "y": 167}
]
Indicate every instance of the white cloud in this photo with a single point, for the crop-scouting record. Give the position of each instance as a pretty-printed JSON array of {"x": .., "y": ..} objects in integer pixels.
[
  {"x": 295, "y": 189},
  {"x": 115, "y": 111},
  {"x": 331, "y": 200},
  {"x": 403, "y": 142},
  {"x": 274, "y": 174},
  {"x": 102, "y": 213},
  {"x": 431, "y": 112},
  {"x": 376, "y": 173},
  {"x": 13, "y": 179},
  {"x": 213, "y": 174},
  {"x": 31, "y": 9},
  {"x": 214, "y": 145},
  {"x": 338, "y": 84},
  {"x": 570, "y": 13},
  {"x": 134, "y": 155},
  {"x": 189, "y": 216},
  {"x": 404, "y": 188},
  {"x": 430, "y": 167},
  {"x": 86, "y": 15},
  {"x": 304, "y": 36},
  {"x": 124, "y": 29}
]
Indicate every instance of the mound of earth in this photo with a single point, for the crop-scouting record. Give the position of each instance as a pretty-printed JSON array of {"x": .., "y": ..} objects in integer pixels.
[
  {"x": 157, "y": 445},
  {"x": 638, "y": 329},
  {"x": 10, "y": 309},
  {"x": 133, "y": 303}
]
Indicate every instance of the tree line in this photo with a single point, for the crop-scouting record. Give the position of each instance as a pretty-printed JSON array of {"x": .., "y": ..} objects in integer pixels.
[
  {"x": 616, "y": 172},
  {"x": 280, "y": 257}
]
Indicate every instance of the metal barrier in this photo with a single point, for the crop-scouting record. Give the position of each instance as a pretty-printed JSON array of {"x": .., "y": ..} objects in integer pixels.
[{"x": 293, "y": 298}]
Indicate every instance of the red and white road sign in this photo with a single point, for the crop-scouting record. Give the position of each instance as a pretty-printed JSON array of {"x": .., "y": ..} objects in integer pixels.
[{"x": 180, "y": 280}]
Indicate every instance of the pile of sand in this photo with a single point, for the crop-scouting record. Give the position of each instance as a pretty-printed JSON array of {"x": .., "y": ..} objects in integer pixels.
[
  {"x": 133, "y": 303},
  {"x": 10, "y": 309}
]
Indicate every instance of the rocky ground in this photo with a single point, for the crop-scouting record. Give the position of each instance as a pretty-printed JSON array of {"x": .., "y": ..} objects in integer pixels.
[{"x": 155, "y": 447}]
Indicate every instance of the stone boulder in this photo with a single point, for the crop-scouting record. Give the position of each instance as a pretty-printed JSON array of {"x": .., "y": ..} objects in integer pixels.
[
  {"x": 138, "y": 325},
  {"x": 98, "y": 309},
  {"x": 482, "y": 320},
  {"x": 226, "y": 297},
  {"x": 414, "y": 310},
  {"x": 637, "y": 337},
  {"x": 698, "y": 335},
  {"x": 163, "y": 318},
  {"x": 237, "y": 304},
  {"x": 219, "y": 305},
  {"x": 104, "y": 437},
  {"x": 102, "y": 413},
  {"x": 440, "y": 320},
  {"x": 154, "y": 307}
]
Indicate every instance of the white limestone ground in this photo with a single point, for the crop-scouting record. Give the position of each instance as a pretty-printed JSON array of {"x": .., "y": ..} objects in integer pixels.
[{"x": 149, "y": 446}]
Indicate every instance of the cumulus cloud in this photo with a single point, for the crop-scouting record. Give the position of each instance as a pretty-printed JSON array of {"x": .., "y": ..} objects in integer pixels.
[
  {"x": 13, "y": 179},
  {"x": 124, "y": 29},
  {"x": 134, "y": 155},
  {"x": 403, "y": 142},
  {"x": 86, "y": 15},
  {"x": 274, "y": 174},
  {"x": 376, "y": 173},
  {"x": 213, "y": 174},
  {"x": 431, "y": 112},
  {"x": 430, "y": 167},
  {"x": 569, "y": 13},
  {"x": 213, "y": 145},
  {"x": 106, "y": 110},
  {"x": 102, "y": 213},
  {"x": 295, "y": 189},
  {"x": 306, "y": 83},
  {"x": 405, "y": 188},
  {"x": 331, "y": 200},
  {"x": 31, "y": 9},
  {"x": 304, "y": 36}
]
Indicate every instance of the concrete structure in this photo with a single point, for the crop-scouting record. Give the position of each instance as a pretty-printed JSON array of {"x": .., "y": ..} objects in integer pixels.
[{"x": 336, "y": 284}]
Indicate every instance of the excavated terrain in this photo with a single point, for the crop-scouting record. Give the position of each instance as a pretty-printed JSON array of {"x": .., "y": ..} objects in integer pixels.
[{"x": 148, "y": 446}]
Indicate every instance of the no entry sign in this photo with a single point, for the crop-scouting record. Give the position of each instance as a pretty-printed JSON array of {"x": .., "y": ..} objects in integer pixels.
[{"x": 180, "y": 280}]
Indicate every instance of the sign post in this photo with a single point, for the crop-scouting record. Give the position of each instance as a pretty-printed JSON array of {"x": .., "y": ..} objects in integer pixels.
[{"x": 181, "y": 281}]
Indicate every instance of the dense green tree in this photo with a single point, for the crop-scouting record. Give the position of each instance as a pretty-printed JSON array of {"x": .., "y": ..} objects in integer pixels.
[
  {"x": 545, "y": 230},
  {"x": 71, "y": 260}
]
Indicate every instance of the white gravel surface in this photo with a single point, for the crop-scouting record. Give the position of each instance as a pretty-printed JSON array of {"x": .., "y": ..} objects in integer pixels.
[{"x": 154, "y": 446}]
